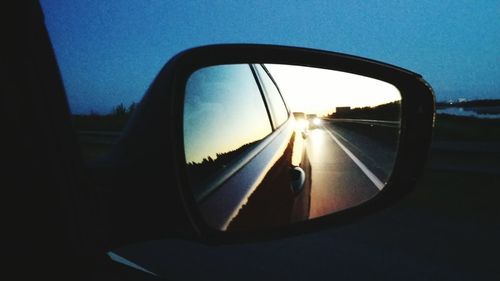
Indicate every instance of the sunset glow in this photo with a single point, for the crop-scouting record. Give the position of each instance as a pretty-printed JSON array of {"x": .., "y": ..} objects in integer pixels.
[{"x": 320, "y": 91}]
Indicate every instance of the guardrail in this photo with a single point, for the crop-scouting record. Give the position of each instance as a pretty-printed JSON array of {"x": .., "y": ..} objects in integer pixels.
[
  {"x": 384, "y": 123},
  {"x": 98, "y": 137}
]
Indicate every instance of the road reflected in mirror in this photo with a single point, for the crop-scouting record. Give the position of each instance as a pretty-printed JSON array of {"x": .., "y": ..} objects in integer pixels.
[{"x": 269, "y": 145}]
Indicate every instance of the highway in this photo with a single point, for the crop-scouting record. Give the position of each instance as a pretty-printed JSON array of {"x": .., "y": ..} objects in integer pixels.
[{"x": 350, "y": 162}]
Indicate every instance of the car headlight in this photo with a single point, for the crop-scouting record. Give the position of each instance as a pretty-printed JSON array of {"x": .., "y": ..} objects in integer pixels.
[{"x": 302, "y": 124}]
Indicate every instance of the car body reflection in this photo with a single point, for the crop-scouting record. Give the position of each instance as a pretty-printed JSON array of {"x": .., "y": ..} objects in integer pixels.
[
  {"x": 262, "y": 183},
  {"x": 259, "y": 194}
]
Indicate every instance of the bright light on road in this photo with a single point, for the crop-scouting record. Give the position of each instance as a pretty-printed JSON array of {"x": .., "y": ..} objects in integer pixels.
[{"x": 302, "y": 124}]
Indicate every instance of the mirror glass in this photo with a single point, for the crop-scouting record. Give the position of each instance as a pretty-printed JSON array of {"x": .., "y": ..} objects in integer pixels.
[{"x": 268, "y": 145}]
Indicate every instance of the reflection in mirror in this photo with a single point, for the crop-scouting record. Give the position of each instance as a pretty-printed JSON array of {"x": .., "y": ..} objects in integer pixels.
[{"x": 269, "y": 145}]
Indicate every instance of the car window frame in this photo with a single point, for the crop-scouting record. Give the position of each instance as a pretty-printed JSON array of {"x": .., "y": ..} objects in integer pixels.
[
  {"x": 217, "y": 180},
  {"x": 267, "y": 99}
]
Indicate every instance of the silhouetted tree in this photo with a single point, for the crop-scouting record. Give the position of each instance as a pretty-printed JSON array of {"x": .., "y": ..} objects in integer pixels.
[
  {"x": 131, "y": 108},
  {"x": 119, "y": 110}
]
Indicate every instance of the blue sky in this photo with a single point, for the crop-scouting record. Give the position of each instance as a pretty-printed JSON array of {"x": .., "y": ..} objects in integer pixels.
[{"x": 110, "y": 51}]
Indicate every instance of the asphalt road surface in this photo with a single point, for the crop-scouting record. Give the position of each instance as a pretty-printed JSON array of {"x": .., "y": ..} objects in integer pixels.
[{"x": 350, "y": 164}]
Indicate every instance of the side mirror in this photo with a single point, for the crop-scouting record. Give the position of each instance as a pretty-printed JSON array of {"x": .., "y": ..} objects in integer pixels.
[
  {"x": 269, "y": 141},
  {"x": 247, "y": 165}
]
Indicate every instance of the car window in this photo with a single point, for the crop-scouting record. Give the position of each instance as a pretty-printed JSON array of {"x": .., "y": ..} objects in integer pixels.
[
  {"x": 276, "y": 103},
  {"x": 224, "y": 117}
]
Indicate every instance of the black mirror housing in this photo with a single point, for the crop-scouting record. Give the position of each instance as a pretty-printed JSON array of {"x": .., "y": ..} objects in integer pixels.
[{"x": 153, "y": 144}]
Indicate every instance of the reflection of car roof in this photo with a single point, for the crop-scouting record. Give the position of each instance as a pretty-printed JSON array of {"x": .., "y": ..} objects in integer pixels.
[{"x": 299, "y": 114}]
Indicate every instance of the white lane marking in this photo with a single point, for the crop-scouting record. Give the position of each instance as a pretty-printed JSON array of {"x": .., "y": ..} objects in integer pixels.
[
  {"x": 122, "y": 260},
  {"x": 378, "y": 183}
]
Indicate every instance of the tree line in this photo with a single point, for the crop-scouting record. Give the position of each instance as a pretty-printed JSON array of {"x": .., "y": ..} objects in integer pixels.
[{"x": 115, "y": 120}]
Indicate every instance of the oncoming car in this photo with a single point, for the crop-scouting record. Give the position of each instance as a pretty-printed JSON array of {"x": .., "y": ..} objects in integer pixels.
[
  {"x": 302, "y": 124},
  {"x": 313, "y": 121}
]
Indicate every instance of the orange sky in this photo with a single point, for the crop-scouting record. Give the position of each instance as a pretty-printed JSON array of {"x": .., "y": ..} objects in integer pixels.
[{"x": 315, "y": 90}]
